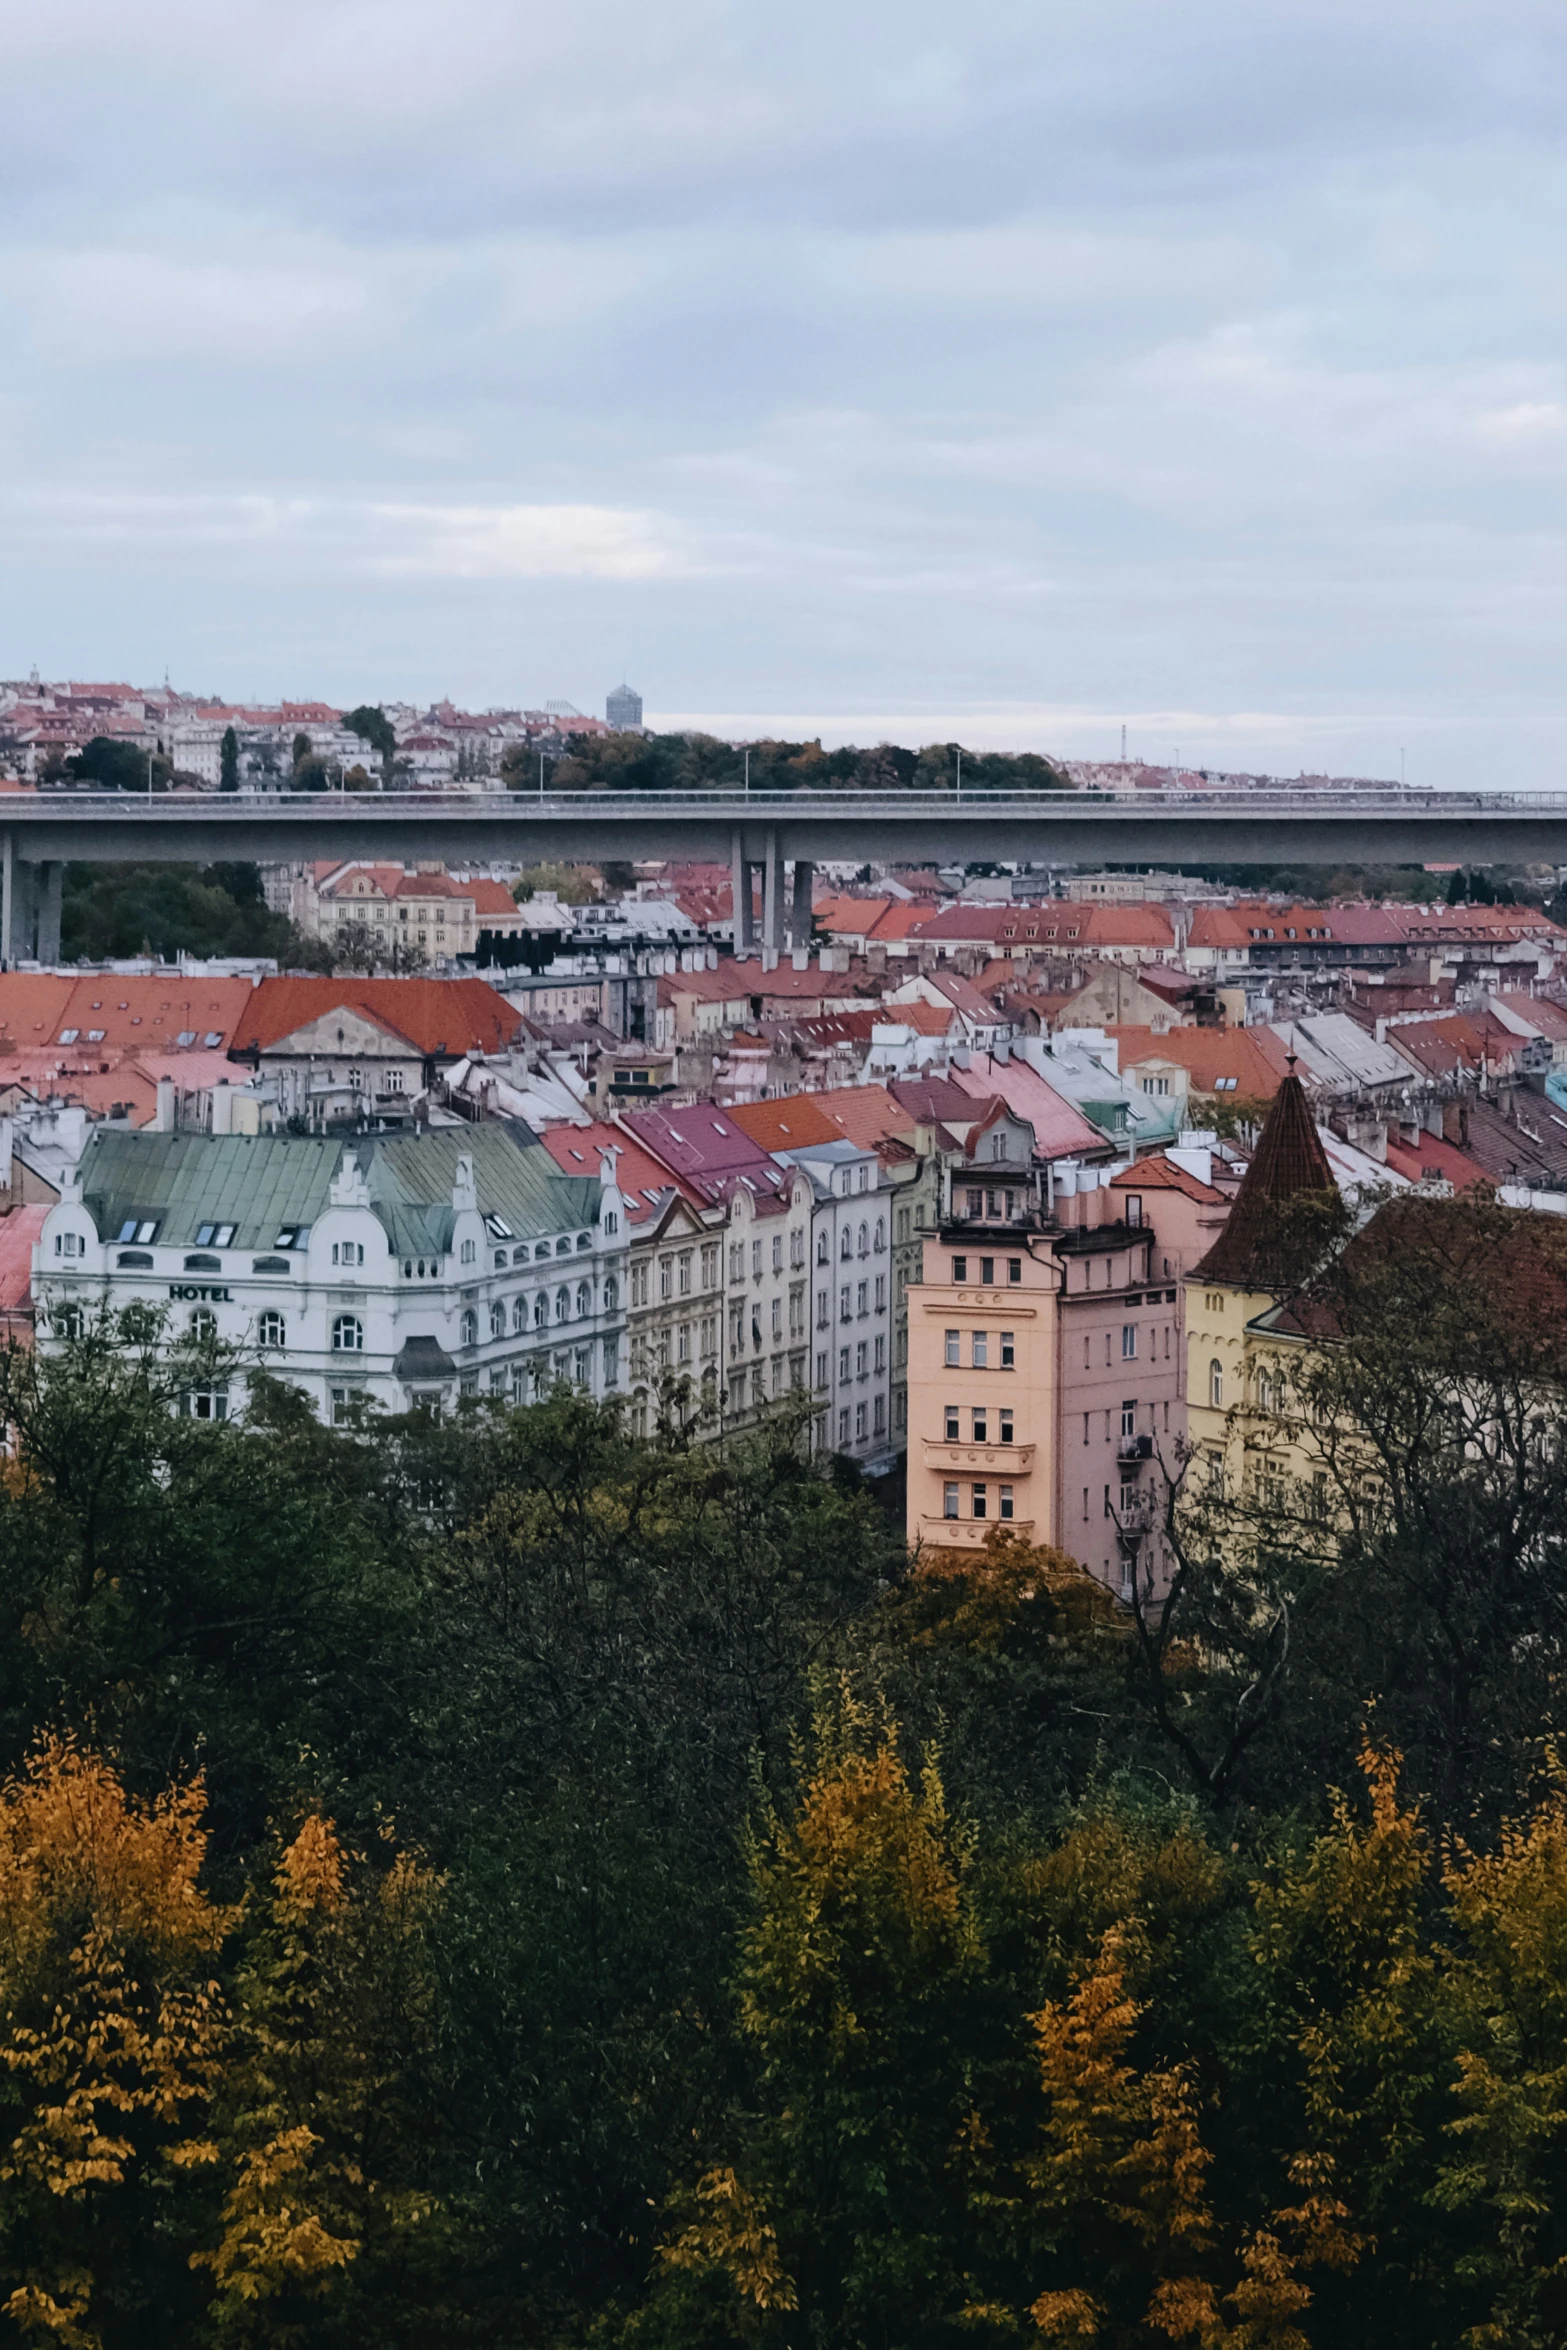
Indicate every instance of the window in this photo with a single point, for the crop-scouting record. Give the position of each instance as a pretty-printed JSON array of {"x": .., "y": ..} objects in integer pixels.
[
  {"x": 69, "y": 1244},
  {"x": 843, "y": 1363},
  {"x": 954, "y": 1346},
  {"x": 67, "y": 1321},
  {"x": 1014, "y": 1270},
  {"x": 348, "y": 1336},
  {"x": 881, "y": 1354},
  {"x": 843, "y": 1303},
  {"x": 981, "y": 1425},
  {"x": 980, "y": 1350},
  {"x": 1134, "y": 1208},
  {"x": 1129, "y": 1419},
  {"x": 865, "y": 1240},
  {"x": 563, "y": 1305},
  {"x": 1128, "y": 1342},
  {"x": 519, "y": 1317},
  {"x": 269, "y": 1330},
  {"x": 821, "y": 1370},
  {"x": 881, "y": 1293},
  {"x": 541, "y": 1311},
  {"x": 823, "y": 1309},
  {"x": 203, "y": 1264},
  {"x": 879, "y": 1415},
  {"x": 343, "y": 1404},
  {"x": 821, "y": 1248},
  {"x": 584, "y": 1300},
  {"x": 207, "y": 1403},
  {"x": 611, "y": 1293},
  {"x": 777, "y": 1252},
  {"x": 468, "y": 1328},
  {"x": 203, "y": 1325},
  {"x": 959, "y": 1270},
  {"x": 497, "y": 1320},
  {"x": 949, "y": 1501},
  {"x": 1006, "y": 1501},
  {"x": 1005, "y": 1432},
  {"x": 134, "y": 1260},
  {"x": 778, "y": 1317},
  {"x": 683, "y": 1270},
  {"x": 1008, "y": 1350},
  {"x": 860, "y": 1364},
  {"x": 470, "y": 1251},
  {"x": 950, "y": 1417},
  {"x": 860, "y": 1429},
  {"x": 843, "y": 1425},
  {"x": 1216, "y": 1384},
  {"x": 987, "y": 1272},
  {"x": 846, "y": 1244},
  {"x": 979, "y": 1500},
  {"x": 147, "y": 1229},
  {"x": 862, "y": 1297},
  {"x": 498, "y": 1228}
]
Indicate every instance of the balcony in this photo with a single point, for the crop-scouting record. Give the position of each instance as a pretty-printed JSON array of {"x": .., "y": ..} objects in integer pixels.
[
  {"x": 947, "y": 1460},
  {"x": 970, "y": 1533},
  {"x": 1135, "y": 1448}
]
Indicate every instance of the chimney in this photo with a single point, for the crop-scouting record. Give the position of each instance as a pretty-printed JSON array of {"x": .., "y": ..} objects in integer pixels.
[
  {"x": 163, "y": 1118},
  {"x": 223, "y": 1107}
]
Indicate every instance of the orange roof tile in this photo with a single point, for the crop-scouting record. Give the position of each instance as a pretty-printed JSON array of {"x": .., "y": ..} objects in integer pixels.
[
  {"x": 786, "y": 1125},
  {"x": 435, "y": 1015}
]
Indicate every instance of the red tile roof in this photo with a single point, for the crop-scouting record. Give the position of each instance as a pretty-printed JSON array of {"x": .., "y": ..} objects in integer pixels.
[
  {"x": 1162, "y": 1174},
  {"x": 435, "y": 1015},
  {"x": 575, "y": 1150},
  {"x": 1057, "y": 926},
  {"x": 1289, "y": 1161},
  {"x": 1253, "y": 1057}
]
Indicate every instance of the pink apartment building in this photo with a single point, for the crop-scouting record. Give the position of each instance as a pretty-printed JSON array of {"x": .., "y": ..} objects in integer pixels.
[{"x": 1046, "y": 1358}]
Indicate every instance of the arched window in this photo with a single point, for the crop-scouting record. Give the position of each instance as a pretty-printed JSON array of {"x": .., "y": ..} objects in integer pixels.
[
  {"x": 846, "y": 1245},
  {"x": 543, "y": 1249},
  {"x": 865, "y": 1240},
  {"x": 584, "y": 1241},
  {"x": 611, "y": 1293},
  {"x": 269, "y": 1331},
  {"x": 821, "y": 1248},
  {"x": 563, "y": 1305},
  {"x": 348, "y": 1335},
  {"x": 519, "y": 1316},
  {"x": 497, "y": 1320},
  {"x": 1264, "y": 1391},
  {"x": 584, "y": 1300},
  {"x": 541, "y": 1311},
  {"x": 881, "y": 1234},
  {"x": 469, "y": 1327},
  {"x": 611, "y": 1220},
  {"x": 1216, "y": 1384},
  {"x": 563, "y": 1248},
  {"x": 203, "y": 1325}
]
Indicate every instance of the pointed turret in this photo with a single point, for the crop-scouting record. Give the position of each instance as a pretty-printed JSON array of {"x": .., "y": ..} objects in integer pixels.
[{"x": 1289, "y": 1160}]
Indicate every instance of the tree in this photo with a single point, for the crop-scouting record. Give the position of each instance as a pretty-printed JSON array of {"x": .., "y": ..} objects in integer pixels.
[
  {"x": 228, "y": 761},
  {"x": 1457, "y": 890},
  {"x": 113, "y": 2041},
  {"x": 107, "y": 764},
  {"x": 860, "y": 1950},
  {"x": 373, "y": 726}
]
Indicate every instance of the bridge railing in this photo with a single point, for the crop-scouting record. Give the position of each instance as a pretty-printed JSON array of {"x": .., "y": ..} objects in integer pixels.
[{"x": 804, "y": 799}]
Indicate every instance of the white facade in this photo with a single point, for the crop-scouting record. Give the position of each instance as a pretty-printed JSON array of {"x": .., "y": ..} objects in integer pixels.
[
  {"x": 851, "y": 1320},
  {"x": 346, "y": 1308}
]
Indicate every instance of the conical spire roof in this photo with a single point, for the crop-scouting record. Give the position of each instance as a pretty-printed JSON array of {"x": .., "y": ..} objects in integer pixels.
[{"x": 1289, "y": 1159}]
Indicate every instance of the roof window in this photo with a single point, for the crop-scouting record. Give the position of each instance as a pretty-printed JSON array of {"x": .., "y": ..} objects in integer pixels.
[
  {"x": 214, "y": 1235},
  {"x": 186, "y": 1036},
  {"x": 142, "y": 1228},
  {"x": 95, "y": 1036},
  {"x": 292, "y": 1236},
  {"x": 69, "y": 1035},
  {"x": 498, "y": 1228}
]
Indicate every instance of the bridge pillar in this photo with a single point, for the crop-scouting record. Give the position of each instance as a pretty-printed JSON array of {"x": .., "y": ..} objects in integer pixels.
[
  {"x": 50, "y": 890},
  {"x": 800, "y": 907},
  {"x": 740, "y": 881},
  {"x": 18, "y": 906},
  {"x": 772, "y": 904}
]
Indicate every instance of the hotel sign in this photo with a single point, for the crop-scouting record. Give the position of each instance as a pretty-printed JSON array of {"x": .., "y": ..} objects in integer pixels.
[{"x": 190, "y": 1289}]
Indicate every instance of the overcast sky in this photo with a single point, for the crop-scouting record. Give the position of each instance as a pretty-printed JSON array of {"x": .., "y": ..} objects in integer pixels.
[{"x": 1010, "y": 371}]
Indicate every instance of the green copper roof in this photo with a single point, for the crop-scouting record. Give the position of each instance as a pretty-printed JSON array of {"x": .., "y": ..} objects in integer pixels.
[{"x": 262, "y": 1183}]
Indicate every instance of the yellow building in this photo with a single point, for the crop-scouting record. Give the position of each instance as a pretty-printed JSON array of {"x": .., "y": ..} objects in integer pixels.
[{"x": 1241, "y": 1361}]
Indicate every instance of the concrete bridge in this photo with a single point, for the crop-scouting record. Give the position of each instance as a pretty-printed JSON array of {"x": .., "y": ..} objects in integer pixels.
[{"x": 39, "y": 831}]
